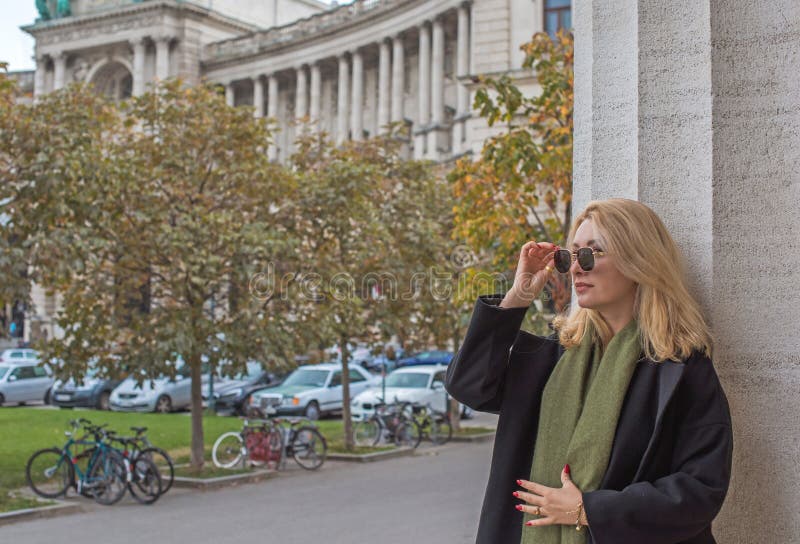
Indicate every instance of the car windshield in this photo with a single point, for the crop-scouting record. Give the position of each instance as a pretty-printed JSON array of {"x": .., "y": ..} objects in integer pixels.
[
  {"x": 3, "y": 370},
  {"x": 428, "y": 355},
  {"x": 314, "y": 378},
  {"x": 407, "y": 379}
]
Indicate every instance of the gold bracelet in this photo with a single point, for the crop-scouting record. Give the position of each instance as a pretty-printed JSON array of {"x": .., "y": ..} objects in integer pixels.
[{"x": 579, "y": 511}]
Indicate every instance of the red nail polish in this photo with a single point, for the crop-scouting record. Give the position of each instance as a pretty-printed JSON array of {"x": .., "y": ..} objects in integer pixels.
[
  {"x": 519, "y": 507},
  {"x": 516, "y": 494},
  {"x": 566, "y": 469},
  {"x": 529, "y": 523},
  {"x": 519, "y": 482}
]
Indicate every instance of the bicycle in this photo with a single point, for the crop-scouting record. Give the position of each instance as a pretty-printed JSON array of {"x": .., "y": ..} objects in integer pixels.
[
  {"x": 433, "y": 424},
  {"x": 50, "y": 472},
  {"x": 145, "y": 448},
  {"x": 303, "y": 442},
  {"x": 388, "y": 422},
  {"x": 144, "y": 478},
  {"x": 259, "y": 442}
]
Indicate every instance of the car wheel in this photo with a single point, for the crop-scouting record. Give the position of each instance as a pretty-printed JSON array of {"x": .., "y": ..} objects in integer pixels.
[
  {"x": 164, "y": 404},
  {"x": 312, "y": 410},
  {"x": 2, "y": 399},
  {"x": 46, "y": 399},
  {"x": 102, "y": 401},
  {"x": 466, "y": 412}
]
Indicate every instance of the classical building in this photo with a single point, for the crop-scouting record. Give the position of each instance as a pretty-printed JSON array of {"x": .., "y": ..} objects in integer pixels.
[{"x": 349, "y": 70}]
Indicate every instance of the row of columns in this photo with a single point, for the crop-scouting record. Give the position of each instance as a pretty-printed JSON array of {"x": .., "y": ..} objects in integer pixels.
[
  {"x": 139, "y": 47},
  {"x": 391, "y": 62}
]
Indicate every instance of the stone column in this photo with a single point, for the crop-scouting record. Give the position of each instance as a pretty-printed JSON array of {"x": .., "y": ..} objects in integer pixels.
[
  {"x": 462, "y": 70},
  {"x": 423, "y": 98},
  {"x": 230, "y": 94},
  {"x": 692, "y": 110},
  {"x": 138, "y": 46},
  {"x": 343, "y": 101},
  {"x": 162, "y": 57},
  {"x": 437, "y": 88},
  {"x": 357, "y": 103},
  {"x": 258, "y": 96},
  {"x": 272, "y": 112},
  {"x": 38, "y": 82},
  {"x": 301, "y": 93},
  {"x": 398, "y": 78},
  {"x": 59, "y": 71},
  {"x": 384, "y": 60},
  {"x": 316, "y": 94}
]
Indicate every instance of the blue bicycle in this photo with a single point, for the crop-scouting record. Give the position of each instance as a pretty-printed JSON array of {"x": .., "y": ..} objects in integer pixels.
[{"x": 98, "y": 471}]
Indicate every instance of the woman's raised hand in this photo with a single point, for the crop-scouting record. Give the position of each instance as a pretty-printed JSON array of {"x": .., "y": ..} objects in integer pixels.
[{"x": 531, "y": 275}]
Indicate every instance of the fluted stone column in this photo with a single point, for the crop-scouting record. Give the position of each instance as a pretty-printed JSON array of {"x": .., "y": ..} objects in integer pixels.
[
  {"x": 230, "y": 94},
  {"x": 258, "y": 96},
  {"x": 272, "y": 112},
  {"x": 38, "y": 82},
  {"x": 423, "y": 98},
  {"x": 437, "y": 88},
  {"x": 357, "y": 94},
  {"x": 384, "y": 96},
  {"x": 59, "y": 71},
  {"x": 138, "y": 47},
  {"x": 301, "y": 93},
  {"x": 462, "y": 70},
  {"x": 162, "y": 57},
  {"x": 343, "y": 101},
  {"x": 316, "y": 94},
  {"x": 398, "y": 78}
]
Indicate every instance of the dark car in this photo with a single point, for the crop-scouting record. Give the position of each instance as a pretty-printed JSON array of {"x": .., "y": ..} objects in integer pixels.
[
  {"x": 91, "y": 392},
  {"x": 427, "y": 358},
  {"x": 232, "y": 395}
]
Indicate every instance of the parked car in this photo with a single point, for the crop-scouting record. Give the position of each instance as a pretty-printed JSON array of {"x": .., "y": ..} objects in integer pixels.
[
  {"x": 232, "y": 395},
  {"x": 19, "y": 355},
  {"x": 311, "y": 390},
  {"x": 426, "y": 358},
  {"x": 91, "y": 392},
  {"x": 163, "y": 394},
  {"x": 422, "y": 384},
  {"x": 24, "y": 381}
]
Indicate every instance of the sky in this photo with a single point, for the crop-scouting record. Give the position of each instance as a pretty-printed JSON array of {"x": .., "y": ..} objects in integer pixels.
[{"x": 16, "y": 47}]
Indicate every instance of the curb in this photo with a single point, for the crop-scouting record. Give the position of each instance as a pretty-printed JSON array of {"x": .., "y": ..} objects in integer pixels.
[
  {"x": 370, "y": 457},
  {"x": 61, "y": 508},
  {"x": 485, "y": 437},
  {"x": 204, "y": 484}
]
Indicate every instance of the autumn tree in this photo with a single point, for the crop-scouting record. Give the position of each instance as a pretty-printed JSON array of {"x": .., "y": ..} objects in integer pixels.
[
  {"x": 520, "y": 187},
  {"x": 149, "y": 218}
]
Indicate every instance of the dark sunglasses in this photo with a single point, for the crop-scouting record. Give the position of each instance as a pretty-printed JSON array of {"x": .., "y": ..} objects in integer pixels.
[{"x": 563, "y": 258}]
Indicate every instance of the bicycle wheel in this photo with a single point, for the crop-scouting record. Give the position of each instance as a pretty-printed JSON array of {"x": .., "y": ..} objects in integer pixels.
[
  {"x": 309, "y": 448},
  {"x": 163, "y": 462},
  {"x": 407, "y": 434},
  {"x": 107, "y": 479},
  {"x": 145, "y": 484},
  {"x": 441, "y": 430},
  {"x": 49, "y": 473},
  {"x": 228, "y": 450},
  {"x": 367, "y": 432}
]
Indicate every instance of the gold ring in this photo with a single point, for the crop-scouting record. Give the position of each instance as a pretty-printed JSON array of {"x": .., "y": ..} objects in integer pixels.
[
  {"x": 538, "y": 511},
  {"x": 548, "y": 268}
]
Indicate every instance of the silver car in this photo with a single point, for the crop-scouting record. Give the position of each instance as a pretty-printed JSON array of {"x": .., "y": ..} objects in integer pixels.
[
  {"x": 23, "y": 382},
  {"x": 163, "y": 394}
]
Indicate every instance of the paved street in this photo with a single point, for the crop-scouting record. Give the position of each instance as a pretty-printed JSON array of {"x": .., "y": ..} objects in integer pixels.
[{"x": 432, "y": 497}]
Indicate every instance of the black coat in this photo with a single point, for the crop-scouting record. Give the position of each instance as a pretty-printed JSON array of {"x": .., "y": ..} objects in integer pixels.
[{"x": 670, "y": 461}]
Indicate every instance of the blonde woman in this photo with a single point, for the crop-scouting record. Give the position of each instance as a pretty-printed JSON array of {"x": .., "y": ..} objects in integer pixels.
[{"x": 615, "y": 429}]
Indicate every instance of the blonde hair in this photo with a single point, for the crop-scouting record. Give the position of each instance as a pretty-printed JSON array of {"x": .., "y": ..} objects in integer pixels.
[{"x": 670, "y": 320}]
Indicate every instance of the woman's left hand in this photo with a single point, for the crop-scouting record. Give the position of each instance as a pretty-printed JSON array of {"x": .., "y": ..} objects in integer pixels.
[{"x": 551, "y": 503}]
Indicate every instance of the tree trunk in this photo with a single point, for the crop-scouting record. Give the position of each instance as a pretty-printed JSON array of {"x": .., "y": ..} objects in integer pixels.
[
  {"x": 455, "y": 412},
  {"x": 349, "y": 442},
  {"x": 198, "y": 455}
]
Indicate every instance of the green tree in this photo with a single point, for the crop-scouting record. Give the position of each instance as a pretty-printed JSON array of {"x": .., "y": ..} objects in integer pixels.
[
  {"x": 520, "y": 187},
  {"x": 149, "y": 219}
]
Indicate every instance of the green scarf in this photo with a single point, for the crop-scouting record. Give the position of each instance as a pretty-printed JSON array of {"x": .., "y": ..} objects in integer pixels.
[{"x": 580, "y": 407}]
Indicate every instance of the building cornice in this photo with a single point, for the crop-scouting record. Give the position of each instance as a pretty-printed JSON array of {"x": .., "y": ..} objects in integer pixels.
[{"x": 44, "y": 28}]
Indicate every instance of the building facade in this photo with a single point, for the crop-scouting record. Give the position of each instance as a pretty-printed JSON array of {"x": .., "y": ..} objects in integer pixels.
[{"x": 349, "y": 70}]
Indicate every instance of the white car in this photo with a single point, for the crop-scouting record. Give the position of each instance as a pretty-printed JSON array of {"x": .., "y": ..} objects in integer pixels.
[
  {"x": 311, "y": 391},
  {"x": 23, "y": 380},
  {"x": 423, "y": 384}
]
